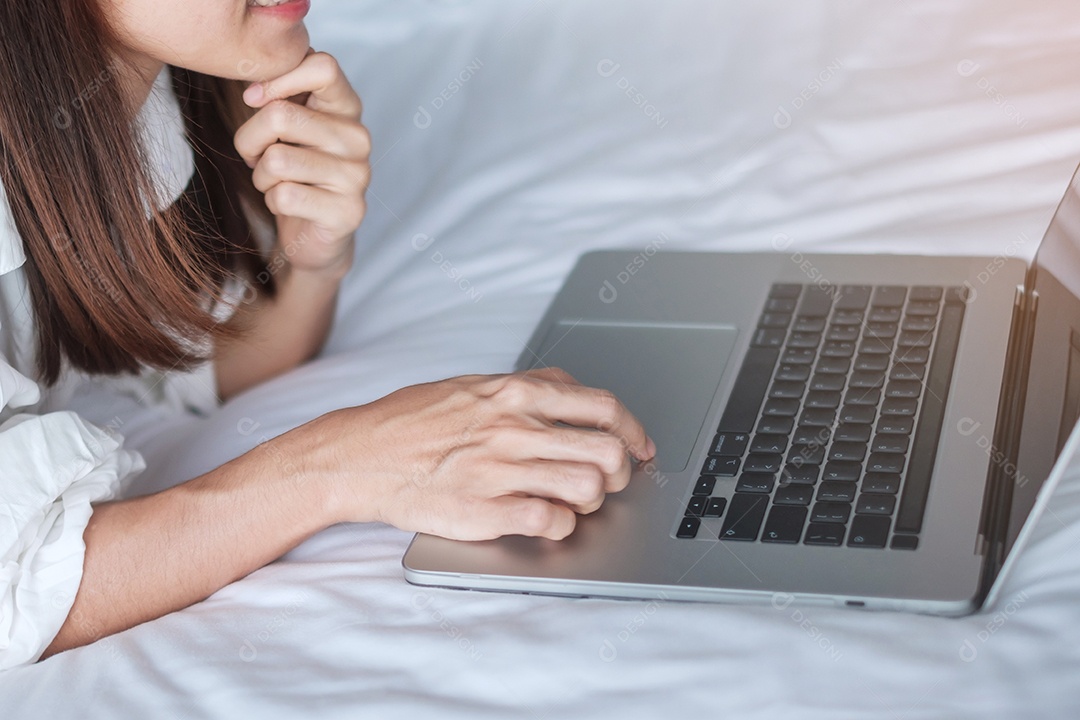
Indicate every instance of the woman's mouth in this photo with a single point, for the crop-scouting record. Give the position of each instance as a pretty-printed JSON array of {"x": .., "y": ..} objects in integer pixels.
[{"x": 288, "y": 9}]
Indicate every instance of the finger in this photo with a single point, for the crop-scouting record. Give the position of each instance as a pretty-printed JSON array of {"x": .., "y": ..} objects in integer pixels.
[
  {"x": 284, "y": 121},
  {"x": 554, "y": 374},
  {"x": 579, "y": 485},
  {"x": 337, "y": 214},
  {"x": 591, "y": 407},
  {"x": 320, "y": 75},
  {"x": 530, "y": 516},
  {"x": 571, "y": 444},
  {"x": 289, "y": 163}
]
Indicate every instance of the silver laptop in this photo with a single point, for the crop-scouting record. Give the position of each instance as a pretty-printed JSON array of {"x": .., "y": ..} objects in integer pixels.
[{"x": 858, "y": 430}]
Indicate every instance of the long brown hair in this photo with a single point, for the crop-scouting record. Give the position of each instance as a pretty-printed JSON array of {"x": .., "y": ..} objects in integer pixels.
[{"x": 110, "y": 289}]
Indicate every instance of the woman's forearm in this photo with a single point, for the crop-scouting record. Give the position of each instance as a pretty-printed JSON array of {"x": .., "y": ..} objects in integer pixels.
[
  {"x": 150, "y": 556},
  {"x": 281, "y": 333}
]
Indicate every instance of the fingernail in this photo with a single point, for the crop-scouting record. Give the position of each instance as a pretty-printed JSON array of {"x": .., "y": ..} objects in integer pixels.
[
  {"x": 650, "y": 446},
  {"x": 254, "y": 94}
]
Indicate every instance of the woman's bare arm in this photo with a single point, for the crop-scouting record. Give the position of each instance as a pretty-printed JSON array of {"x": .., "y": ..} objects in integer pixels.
[{"x": 469, "y": 458}]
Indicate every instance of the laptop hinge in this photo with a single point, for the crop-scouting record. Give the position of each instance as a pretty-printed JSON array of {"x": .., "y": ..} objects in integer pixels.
[{"x": 1005, "y": 445}]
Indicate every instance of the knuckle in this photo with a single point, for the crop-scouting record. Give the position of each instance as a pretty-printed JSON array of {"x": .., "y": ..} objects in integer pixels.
[
  {"x": 535, "y": 517},
  {"x": 277, "y": 159},
  {"x": 325, "y": 64},
  {"x": 611, "y": 455},
  {"x": 515, "y": 391},
  {"x": 279, "y": 114}
]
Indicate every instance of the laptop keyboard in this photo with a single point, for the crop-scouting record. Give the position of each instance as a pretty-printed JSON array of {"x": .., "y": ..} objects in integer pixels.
[{"x": 831, "y": 430}]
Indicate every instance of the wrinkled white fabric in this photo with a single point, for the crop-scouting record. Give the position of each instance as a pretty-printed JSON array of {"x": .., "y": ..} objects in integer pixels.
[{"x": 53, "y": 463}]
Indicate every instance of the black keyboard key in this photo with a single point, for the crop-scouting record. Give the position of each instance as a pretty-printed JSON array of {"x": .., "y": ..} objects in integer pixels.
[
  {"x": 762, "y": 463},
  {"x": 811, "y": 435},
  {"x": 809, "y": 324},
  {"x": 844, "y": 450},
  {"x": 875, "y": 504},
  {"x": 862, "y": 396},
  {"x": 816, "y": 302},
  {"x": 869, "y": 531},
  {"x": 881, "y": 331},
  {"x": 925, "y": 294},
  {"x": 959, "y": 295},
  {"x": 801, "y": 474},
  {"x": 688, "y": 527},
  {"x": 901, "y": 371},
  {"x": 750, "y": 387},
  {"x": 830, "y": 512},
  {"x": 885, "y": 462},
  {"x": 867, "y": 379},
  {"x": 784, "y": 525},
  {"x": 843, "y": 333},
  {"x": 793, "y": 495},
  {"x": 797, "y": 356},
  {"x": 827, "y": 382},
  {"x": 755, "y": 483},
  {"x": 891, "y": 296},
  {"x": 924, "y": 448},
  {"x": 774, "y": 320},
  {"x": 696, "y": 506},
  {"x": 876, "y": 482},
  {"x": 853, "y": 433},
  {"x": 841, "y": 470},
  {"x": 804, "y": 340},
  {"x": 793, "y": 373},
  {"x": 922, "y": 309},
  {"x": 859, "y": 414},
  {"x": 776, "y": 425},
  {"x": 872, "y": 363},
  {"x": 818, "y": 417},
  {"x": 895, "y": 425},
  {"x": 848, "y": 317},
  {"x": 788, "y": 291},
  {"x": 723, "y": 465},
  {"x": 836, "y": 366},
  {"x": 914, "y": 356},
  {"x": 744, "y": 515},
  {"x": 890, "y": 443},
  {"x": 919, "y": 324},
  {"x": 875, "y": 346},
  {"x": 784, "y": 306},
  {"x": 838, "y": 349},
  {"x": 824, "y": 534},
  {"x": 822, "y": 399},
  {"x": 730, "y": 444},
  {"x": 705, "y": 485},
  {"x": 884, "y": 315},
  {"x": 904, "y": 542},
  {"x": 800, "y": 455},
  {"x": 781, "y": 407},
  {"x": 903, "y": 389},
  {"x": 769, "y": 444},
  {"x": 835, "y": 491},
  {"x": 716, "y": 506},
  {"x": 902, "y": 407},
  {"x": 783, "y": 389},
  {"x": 768, "y": 338},
  {"x": 853, "y": 297},
  {"x": 911, "y": 339}
]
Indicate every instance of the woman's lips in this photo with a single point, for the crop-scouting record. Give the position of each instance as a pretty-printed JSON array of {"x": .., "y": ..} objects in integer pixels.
[{"x": 286, "y": 10}]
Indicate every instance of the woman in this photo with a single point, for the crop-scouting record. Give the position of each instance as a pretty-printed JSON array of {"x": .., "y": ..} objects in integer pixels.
[{"x": 181, "y": 187}]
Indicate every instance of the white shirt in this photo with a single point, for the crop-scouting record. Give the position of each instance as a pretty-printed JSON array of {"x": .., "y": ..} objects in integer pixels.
[{"x": 53, "y": 462}]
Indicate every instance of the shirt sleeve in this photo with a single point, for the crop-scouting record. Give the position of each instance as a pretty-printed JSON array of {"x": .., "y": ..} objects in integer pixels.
[{"x": 53, "y": 467}]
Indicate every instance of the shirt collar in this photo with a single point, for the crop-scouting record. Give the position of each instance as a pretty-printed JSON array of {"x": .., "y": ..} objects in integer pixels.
[{"x": 172, "y": 163}]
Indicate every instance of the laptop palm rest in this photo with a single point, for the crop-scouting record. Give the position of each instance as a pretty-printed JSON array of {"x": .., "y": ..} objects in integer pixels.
[{"x": 666, "y": 374}]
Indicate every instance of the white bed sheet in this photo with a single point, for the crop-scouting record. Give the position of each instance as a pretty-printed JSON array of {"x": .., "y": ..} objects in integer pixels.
[{"x": 923, "y": 126}]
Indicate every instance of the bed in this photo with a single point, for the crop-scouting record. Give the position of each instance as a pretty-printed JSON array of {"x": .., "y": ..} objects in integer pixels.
[{"x": 511, "y": 136}]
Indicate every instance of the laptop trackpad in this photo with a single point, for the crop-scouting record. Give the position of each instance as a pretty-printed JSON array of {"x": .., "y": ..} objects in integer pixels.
[{"x": 666, "y": 374}]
